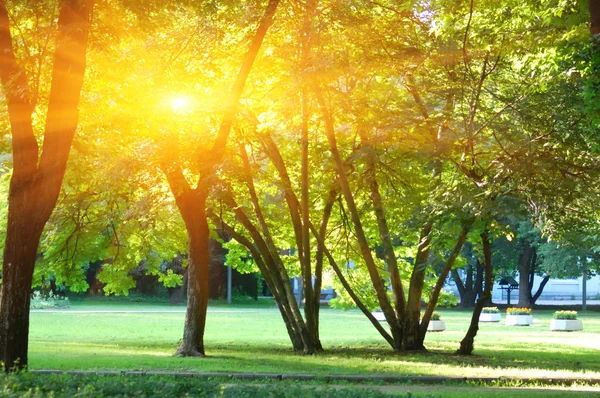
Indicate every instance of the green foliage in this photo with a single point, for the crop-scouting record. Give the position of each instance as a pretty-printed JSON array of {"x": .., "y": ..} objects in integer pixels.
[
  {"x": 490, "y": 310},
  {"x": 64, "y": 385},
  {"x": 565, "y": 315},
  {"x": 436, "y": 316},
  {"x": 518, "y": 311}
]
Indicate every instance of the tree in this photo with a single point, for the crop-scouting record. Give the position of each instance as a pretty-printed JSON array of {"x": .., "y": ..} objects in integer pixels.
[
  {"x": 36, "y": 179},
  {"x": 472, "y": 285},
  {"x": 191, "y": 202}
]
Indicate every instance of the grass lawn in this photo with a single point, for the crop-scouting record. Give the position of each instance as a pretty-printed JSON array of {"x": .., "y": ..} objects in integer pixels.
[{"x": 253, "y": 339}]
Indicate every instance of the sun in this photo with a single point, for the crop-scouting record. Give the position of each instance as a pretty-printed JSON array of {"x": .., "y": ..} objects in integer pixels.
[{"x": 180, "y": 104}]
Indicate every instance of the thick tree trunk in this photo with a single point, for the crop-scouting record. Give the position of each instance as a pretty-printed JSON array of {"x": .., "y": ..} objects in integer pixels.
[
  {"x": 525, "y": 298},
  {"x": 467, "y": 343},
  {"x": 35, "y": 183},
  {"x": 192, "y": 201},
  {"x": 194, "y": 216},
  {"x": 20, "y": 253},
  {"x": 594, "y": 8},
  {"x": 465, "y": 290}
]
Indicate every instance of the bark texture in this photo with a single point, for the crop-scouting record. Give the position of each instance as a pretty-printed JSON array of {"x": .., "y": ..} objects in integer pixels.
[
  {"x": 35, "y": 183},
  {"x": 472, "y": 286},
  {"x": 528, "y": 264},
  {"x": 594, "y": 8}
]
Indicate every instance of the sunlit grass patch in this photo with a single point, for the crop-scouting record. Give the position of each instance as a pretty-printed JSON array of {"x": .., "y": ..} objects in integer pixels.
[{"x": 241, "y": 340}]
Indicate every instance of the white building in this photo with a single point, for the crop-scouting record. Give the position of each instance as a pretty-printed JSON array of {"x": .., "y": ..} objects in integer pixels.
[{"x": 555, "y": 289}]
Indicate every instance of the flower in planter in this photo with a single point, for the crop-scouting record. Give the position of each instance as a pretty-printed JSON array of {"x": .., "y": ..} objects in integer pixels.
[
  {"x": 518, "y": 311},
  {"x": 569, "y": 315},
  {"x": 490, "y": 310},
  {"x": 435, "y": 316}
]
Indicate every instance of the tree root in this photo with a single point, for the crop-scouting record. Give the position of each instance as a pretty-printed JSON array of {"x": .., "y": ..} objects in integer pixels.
[{"x": 188, "y": 351}]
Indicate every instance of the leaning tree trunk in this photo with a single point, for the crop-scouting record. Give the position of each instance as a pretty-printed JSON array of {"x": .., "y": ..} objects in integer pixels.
[
  {"x": 36, "y": 182},
  {"x": 435, "y": 293},
  {"x": 467, "y": 343},
  {"x": 365, "y": 250}
]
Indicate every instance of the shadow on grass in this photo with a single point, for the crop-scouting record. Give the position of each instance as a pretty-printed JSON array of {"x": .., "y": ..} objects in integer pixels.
[{"x": 131, "y": 355}]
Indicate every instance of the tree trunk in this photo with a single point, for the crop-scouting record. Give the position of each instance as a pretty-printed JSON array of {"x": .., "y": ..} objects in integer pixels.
[
  {"x": 365, "y": 250},
  {"x": 465, "y": 291},
  {"x": 351, "y": 291},
  {"x": 594, "y": 8},
  {"x": 537, "y": 294},
  {"x": 525, "y": 298},
  {"x": 194, "y": 216},
  {"x": 479, "y": 281},
  {"x": 311, "y": 309},
  {"x": 22, "y": 240},
  {"x": 468, "y": 342},
  {"x": 412, "y": 326},
  {"x": 192, "y": 201},
  {"x": 35, "y": 183},
  {"x": 274, "y": 283},
  {"x": 384, "y": 233},
  {"x": 435, "y": 293}
]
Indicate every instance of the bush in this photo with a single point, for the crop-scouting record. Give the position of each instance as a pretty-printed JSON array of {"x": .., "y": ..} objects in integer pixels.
[
  {"x": 518, "y": 311},
  {"x": 490, "y": 310},
  {"x": 435, "y": 316},
  {"x": 565, "y": 315},
  {"x": 63, "y": 385},
  {"x": 38, "y": 302}
]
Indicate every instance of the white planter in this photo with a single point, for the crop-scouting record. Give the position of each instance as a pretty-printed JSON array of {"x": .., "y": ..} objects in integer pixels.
[
  {"x": 436, "y": 326},
  {"x": 379, "y": 315},
  {"x": 497, "y": 317},
  {"x": 519, "y": 320},
  {"x": 567, "y": 325}
]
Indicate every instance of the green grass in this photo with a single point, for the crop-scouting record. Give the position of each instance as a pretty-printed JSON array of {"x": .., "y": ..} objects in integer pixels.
[{"x": 253, "y": 339}]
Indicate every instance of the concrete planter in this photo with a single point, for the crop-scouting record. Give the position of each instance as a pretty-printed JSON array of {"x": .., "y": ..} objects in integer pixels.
[
  {"x": 490, "y": 317},
  {"x": 566, "y": 325},
  {"x": 519, "y": 320},
  {"x": 436, "y": 326}
]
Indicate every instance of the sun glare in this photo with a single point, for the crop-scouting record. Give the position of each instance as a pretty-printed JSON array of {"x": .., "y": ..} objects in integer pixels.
[{"x": 180, "y": 104}]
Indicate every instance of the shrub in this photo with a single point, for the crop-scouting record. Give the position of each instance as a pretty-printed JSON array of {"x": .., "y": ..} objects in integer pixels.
[
  {"x": 490, "y": 310},
  {"x": 38, "y": 302},
  {"x": 565, "y": 315},
  {"x": 518, "y": 311},
  {"x": 63, "y": 385},
  {"x": 435, "y": 316}
]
